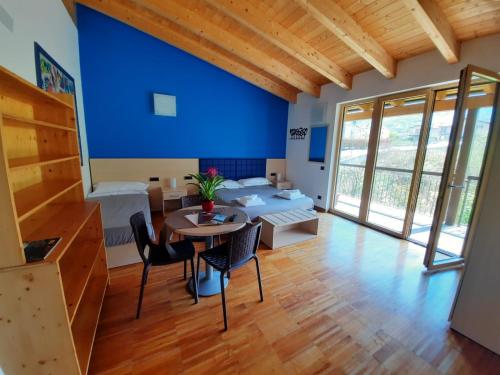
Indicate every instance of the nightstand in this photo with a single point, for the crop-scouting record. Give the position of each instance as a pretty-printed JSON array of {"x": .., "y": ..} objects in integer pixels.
[
  {"x": 282, "y": 185},
  {"x": 170, "y": 194}
]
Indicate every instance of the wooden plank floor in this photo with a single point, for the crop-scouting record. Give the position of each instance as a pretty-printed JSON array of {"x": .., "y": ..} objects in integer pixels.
[{"x": 352, "y": 301}]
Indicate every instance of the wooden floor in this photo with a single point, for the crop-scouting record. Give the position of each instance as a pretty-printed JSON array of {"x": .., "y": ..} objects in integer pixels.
[{"x": 352, "y": 301}]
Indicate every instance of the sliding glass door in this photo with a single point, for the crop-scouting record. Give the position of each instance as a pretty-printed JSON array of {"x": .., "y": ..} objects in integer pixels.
[
  {"x": 464, "y": 166},
  {"x": 411, "y": 164},
  {"x": 352, "y": 157},
  {"x": 398, "y": 142},
  {"x": 377, "y": 160}
]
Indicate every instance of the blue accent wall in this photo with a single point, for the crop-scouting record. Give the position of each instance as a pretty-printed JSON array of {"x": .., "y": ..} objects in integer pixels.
[
  {"x": 218, "y": 114},
  {"x": 317, "y": 146}
]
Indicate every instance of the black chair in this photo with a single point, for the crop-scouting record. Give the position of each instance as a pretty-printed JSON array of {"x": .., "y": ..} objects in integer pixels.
[
  {"x": 190, "y": 201},
  {"x": 160, "y": 254},
  {"x": 239, "y": 250}
]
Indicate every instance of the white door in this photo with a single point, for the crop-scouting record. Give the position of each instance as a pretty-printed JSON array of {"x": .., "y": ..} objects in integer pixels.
[
  {"x": 469, "y": 148},
  {"x": 476, "y": 313}
]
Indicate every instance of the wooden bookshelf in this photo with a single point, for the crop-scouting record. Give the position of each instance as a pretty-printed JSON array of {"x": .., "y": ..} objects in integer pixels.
[
  {"x": 84, "y": 324},
  {"x": 29, "y": 200},
  {"x": 39, "y": 161},
  {"x": 52, "y": 306},
  {"x": 26, "y": 122}
]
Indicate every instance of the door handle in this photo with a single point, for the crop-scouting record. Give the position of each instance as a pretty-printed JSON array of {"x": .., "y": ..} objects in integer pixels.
[{"x": 456, "y": 186}]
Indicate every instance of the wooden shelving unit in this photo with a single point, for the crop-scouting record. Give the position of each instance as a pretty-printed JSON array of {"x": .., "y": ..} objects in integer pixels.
[
  {"x": 38, "y": 161},
  {"x": 24, "y": 122},
  {"x": 49, "y": 310}
]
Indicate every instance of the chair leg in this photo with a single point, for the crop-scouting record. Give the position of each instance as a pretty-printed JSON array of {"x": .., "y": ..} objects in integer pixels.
[
  {"x": 195, "y": 282},
  {"x": 144, "y": 280},
  {"x": 185, "y": 275},
  {"x": 223, "y": 299},
  {"x": 258, "y": 277},
  {"x": 197, "y": 273}
]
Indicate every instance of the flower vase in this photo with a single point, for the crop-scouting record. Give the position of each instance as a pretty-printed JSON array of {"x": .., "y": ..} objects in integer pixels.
[{"x": 207, "y": 206}]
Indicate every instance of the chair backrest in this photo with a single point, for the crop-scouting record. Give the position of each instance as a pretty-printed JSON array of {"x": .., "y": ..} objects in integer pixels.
[
  {"x": 141, "y": 235},
  {"x": 243, "y": 244},
  {"x": 190, "y": 201}
]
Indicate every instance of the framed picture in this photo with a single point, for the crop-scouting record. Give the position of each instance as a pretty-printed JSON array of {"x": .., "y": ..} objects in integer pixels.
[
  {"x": 51, "y": 77},
  {"x": 317, "y": 143}
]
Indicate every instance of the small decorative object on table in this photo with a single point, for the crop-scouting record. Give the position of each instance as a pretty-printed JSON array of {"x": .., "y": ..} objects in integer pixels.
[
  {"x": 208, "y": 183},
  {"x": 206, "y": 218}
]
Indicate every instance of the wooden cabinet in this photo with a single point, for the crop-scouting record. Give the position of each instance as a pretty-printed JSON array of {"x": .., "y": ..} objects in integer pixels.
[
  {"x": 170, "y": 194},
  {"x": 49, "y": 309}
]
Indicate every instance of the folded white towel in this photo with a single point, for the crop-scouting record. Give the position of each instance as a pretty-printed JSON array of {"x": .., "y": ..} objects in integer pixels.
[
  {"x": 293, "y": 197},
  {"x": 257, "y": 202},
  {"x": 250, "y": 201},
  {"x": 291, "y": 194},
  {"x": 248, "y": 198}
]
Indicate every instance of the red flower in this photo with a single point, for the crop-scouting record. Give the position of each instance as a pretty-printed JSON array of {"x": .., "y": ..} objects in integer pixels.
[{"x": 212, "y": 172}]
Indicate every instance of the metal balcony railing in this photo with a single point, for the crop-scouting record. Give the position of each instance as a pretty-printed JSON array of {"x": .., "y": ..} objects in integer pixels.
[{"x": 391, "y": 187}]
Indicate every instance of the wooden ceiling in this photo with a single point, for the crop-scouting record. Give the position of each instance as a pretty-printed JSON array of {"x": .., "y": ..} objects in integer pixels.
[{"x": 292, "y": 46}]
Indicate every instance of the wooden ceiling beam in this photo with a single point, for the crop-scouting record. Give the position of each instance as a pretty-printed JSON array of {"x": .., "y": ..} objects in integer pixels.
[
  {"x": 250, "y": 16},
  {"x": 162, "y": 29},
  {"x": 71, "y": 8},
  {"x": 197, "y": 24},
  {"x": 439, "y": 105},
  {"x": 433, "y": 21},
  {"x": 343, "y": 26}
]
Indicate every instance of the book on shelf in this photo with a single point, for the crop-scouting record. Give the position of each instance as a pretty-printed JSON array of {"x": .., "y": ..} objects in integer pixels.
[{"x": 38, "y": 250}]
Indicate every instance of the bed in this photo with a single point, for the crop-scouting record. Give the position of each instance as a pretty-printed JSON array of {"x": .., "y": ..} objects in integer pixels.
[
  {"x": 118, "y": 202},
  {"x": 236, "y": 169},
  {"x": 268, "y": 193}
]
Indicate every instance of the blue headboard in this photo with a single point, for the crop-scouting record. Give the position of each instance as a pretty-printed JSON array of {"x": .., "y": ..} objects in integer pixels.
[{"x": 235, "y": 169}]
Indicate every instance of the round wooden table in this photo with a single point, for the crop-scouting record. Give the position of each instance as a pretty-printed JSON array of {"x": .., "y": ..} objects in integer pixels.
[{"x": 176, "y": 222}]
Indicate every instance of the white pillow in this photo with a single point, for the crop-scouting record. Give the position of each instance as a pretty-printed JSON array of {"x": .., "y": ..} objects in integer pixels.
[
  {"x": 254, "y": 181},
  {"x": 116, "y": 186},
  {"x": 230, "y": 184},
  {"x": 96, "y": 194}
]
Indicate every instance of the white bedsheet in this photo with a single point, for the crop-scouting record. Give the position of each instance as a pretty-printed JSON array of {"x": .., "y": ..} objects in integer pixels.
[{"x": 269, "y": 195}]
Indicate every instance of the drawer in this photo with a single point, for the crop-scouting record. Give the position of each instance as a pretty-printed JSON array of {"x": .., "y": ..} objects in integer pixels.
[{"x": 169, "y": 196}]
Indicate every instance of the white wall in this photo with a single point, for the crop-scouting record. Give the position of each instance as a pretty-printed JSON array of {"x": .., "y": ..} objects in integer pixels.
[
  {"x": 420, "y": 71},
  {"x": 48, "y": 23}
]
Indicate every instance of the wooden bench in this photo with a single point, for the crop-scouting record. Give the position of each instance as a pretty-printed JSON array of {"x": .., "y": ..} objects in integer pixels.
[{"x": 289, "y": 227}]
